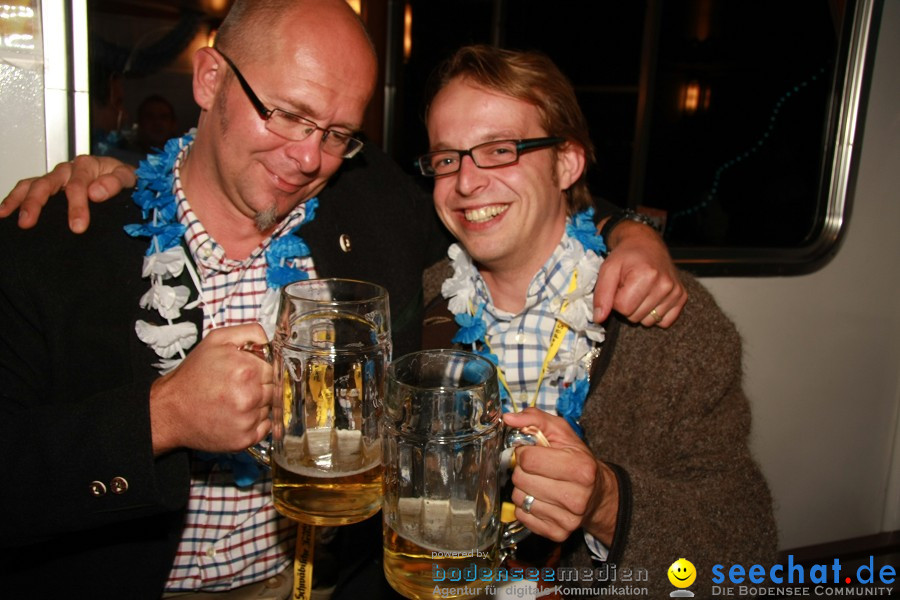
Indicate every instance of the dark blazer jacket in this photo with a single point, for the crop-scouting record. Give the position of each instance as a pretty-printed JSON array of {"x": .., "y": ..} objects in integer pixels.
[{"x": 75, "y": 379}]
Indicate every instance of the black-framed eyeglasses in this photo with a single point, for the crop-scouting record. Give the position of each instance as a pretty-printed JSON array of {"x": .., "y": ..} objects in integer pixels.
[
  {"x": 488, "y": 155},
  {"x": 294, "y": 127}
]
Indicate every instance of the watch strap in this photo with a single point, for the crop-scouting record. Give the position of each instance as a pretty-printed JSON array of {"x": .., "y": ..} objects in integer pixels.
[{"x": 617, "y": 217}]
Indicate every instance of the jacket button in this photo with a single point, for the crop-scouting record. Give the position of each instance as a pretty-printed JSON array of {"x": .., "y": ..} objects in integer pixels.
[
  {"x": 98, "y": 489},
  {"x": 345, "y": 242},
  {"x": 118, "y": 485}
]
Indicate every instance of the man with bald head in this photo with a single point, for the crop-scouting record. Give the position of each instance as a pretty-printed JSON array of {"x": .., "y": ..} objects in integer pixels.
[
  {"x": 103, "y": 493},
  {"x": 127, "y": 480}
]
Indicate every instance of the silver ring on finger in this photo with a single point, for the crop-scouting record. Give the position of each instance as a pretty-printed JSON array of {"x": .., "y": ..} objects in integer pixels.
[{"x": 526, "y": 504}]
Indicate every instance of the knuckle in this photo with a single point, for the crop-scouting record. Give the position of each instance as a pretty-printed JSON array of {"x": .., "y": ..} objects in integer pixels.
[
  {"x": 585, "y": 472},
  {"x": 571, "y": 522}
]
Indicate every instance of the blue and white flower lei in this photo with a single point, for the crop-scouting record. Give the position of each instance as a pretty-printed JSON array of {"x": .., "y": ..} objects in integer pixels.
[
  {"x": 166, "y": 259},
  {"x": 582, "y": 255}
]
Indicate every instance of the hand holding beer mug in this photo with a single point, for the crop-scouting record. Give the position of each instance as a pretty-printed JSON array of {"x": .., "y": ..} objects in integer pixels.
[
  {"x": 331, "y": 348},
  {"x": 442, "y": 443}
]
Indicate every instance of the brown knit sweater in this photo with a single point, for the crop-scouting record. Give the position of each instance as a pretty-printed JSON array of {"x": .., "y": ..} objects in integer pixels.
[{"x": 667, "y": 410}]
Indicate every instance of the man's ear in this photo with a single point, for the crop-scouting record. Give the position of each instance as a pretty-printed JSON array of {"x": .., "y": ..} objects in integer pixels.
[
  {"x": 570, "y": 163},
  {"x": 209, "y": 73}
]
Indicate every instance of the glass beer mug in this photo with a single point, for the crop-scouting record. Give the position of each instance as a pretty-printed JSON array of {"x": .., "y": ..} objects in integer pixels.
[
  {"x": 331, "y": 348},
  {"x": 443, "y": 438}
]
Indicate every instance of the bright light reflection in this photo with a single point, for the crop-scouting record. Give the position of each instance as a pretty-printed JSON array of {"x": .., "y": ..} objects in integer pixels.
[
  {"x": 407, "y": 31},
  {"x": 23, "y": 41},
  {"x": 10, "y": 11}
]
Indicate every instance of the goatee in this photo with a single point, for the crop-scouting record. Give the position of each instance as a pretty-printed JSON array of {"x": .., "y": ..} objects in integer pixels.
[{"x": 265, "y": 219}]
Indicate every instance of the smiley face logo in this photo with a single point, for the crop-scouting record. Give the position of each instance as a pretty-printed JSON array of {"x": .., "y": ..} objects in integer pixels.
[{"x": 682, "y": 573}]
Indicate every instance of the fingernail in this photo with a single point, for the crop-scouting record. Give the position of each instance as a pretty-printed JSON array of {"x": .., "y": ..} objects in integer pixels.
[
  {"x": 78, "y": 225},
  {"x": 598, "y": 315}
]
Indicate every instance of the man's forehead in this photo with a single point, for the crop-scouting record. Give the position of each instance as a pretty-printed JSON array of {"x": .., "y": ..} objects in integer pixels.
[
  {"x": 307, "y": 86},
  {"x": 472, "y": 113}
]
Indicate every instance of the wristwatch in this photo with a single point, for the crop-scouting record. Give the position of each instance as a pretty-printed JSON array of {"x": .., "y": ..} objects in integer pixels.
[{"x": 622, "y": 215}]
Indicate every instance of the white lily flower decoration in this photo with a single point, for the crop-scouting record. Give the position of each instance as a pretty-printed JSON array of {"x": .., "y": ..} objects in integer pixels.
[
  {"x": 167, "y": 365},
  {"x": 460, "y": 289},
  {"x": 165, "y": 264},
  {"x": 167, "y": 340},
  {"x": 579, "y": 310},
  {"x": 570, "y": 365},
  {"x": 268, "y": 311},
  {"x": 167, "y": 300}
]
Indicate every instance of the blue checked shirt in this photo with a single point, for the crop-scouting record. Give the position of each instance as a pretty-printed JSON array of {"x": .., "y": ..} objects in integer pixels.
[{"x": 522, "y": 341}]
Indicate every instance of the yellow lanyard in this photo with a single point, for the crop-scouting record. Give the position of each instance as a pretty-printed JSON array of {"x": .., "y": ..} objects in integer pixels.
[{"x": 556, "y": 338}]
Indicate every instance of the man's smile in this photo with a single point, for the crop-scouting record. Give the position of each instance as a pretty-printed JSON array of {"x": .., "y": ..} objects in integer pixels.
[{"x": 485, "y": 213}]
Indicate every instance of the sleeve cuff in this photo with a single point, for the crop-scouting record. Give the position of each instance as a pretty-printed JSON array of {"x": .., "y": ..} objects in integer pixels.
[{"x": 614, "y": 553}]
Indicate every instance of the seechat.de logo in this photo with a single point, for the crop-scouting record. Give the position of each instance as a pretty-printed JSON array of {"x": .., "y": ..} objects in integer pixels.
[{"x": 806, "y": 580}]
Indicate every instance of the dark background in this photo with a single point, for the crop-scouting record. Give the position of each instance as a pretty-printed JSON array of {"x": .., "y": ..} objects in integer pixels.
[{"x": 747, "y": 166}]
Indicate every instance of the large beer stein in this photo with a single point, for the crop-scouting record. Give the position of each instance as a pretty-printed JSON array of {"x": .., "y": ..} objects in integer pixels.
[
  {"x": 331, "y": 348},
  {"x": 443, "y": 439}
]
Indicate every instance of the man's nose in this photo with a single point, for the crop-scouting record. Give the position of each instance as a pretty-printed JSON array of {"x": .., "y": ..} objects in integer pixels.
[
  {"x": 470, "y": 177},
  {"x": 307, "y": 152}
]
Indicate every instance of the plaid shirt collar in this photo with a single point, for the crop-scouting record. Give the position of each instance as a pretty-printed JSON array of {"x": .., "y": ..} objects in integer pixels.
[{"x": 547, "y": 285}]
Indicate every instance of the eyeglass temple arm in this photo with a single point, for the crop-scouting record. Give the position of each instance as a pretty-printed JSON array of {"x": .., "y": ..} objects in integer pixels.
[
  {"x": 539, "y": 143},
  {"x": 251, "y": 95}
]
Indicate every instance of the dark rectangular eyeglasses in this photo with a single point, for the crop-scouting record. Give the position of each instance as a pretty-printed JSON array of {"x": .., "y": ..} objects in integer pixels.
[{"x": 488, "y": 155}]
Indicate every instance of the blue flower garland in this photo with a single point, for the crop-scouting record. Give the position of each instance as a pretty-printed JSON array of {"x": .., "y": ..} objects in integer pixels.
[
  {"x": 286, "y": 248},
  {"x": 583, "y": 229},
  {"x": 154, "y": 194}
]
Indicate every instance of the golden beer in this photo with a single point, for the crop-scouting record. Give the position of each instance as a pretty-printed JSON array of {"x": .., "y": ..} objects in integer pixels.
[
  {"x": 327, "y": 477},
  {"x": 415, "y": 571},
  {"x": 441, "y": 546}
]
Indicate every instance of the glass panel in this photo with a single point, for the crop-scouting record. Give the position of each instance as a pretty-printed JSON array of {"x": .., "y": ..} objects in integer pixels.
[
  {"x": 140, "y": 73},
  {"x": 21, "y": 91},
  {"x": 741, "y": 96},
  {"x": 731, "y": 123}
]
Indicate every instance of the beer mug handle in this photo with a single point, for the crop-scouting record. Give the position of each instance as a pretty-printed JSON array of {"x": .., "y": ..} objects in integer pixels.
[
  {"x": 513, "y": 531},
  {"x": 261, "y": 451}
]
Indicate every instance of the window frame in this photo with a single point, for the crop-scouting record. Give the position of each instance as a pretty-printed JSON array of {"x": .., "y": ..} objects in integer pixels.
[{"x": 843, "y": 135}]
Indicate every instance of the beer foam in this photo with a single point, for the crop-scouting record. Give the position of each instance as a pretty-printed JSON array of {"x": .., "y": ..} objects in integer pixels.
[
  {"x": 328, "y": 453},
  {"x": 439, "y": 525},
  {"x": 322, "y": 473}
]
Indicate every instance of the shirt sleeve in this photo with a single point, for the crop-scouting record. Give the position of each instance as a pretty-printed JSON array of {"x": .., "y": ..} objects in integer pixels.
[{"x": 595, "y": 547}]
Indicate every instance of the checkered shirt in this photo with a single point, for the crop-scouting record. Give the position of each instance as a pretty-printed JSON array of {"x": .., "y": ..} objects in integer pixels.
[{"x": 232, "y": 536}]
